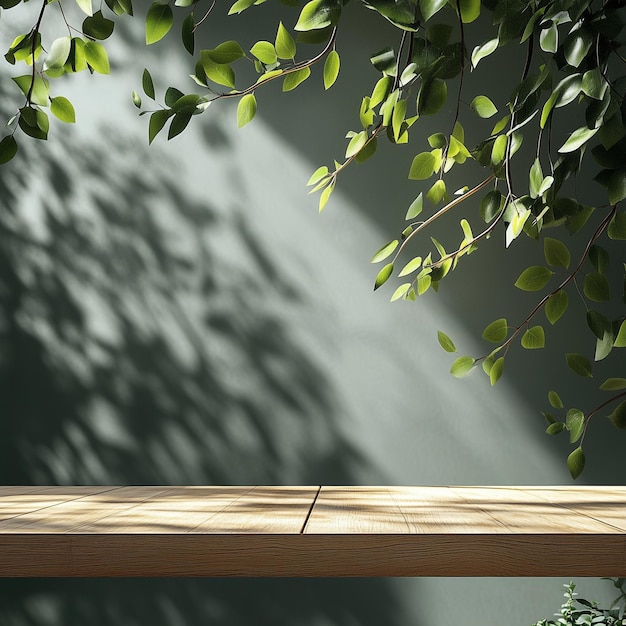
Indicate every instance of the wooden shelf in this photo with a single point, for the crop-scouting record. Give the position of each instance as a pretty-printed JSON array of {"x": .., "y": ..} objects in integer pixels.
[{"x": 312, "y": 531}]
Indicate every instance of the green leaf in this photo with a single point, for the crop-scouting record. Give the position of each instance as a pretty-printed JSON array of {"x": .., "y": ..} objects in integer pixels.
[
  {"x": 432, "y": 96},
  {"x": 325, "y": 195},
  {"x": 423, "y": 283},
  {"x": 617, "y": 226},
  {"x": 220, "y": 73},
  {"x": 613, "y": 384},
  {"x": 397, "y": 119},
  {"x": 480, "y": 52},
  {"x": 423, "y": 166},
  {"x": 575, "y": 423},
  {"x": 400, "y": 292},
  {"x": 246, "y": 109},
  {"x": 577, "y": 46},
  {"x": 179, "y": 123},
  {"x": 268, "y": 75},
  {"x": 62, "y": 108},
  {"x": 98, "y": 26},
  {"x": 428, "y": 8},
  {"x": 381, "y": 91},
  {"x": 555, "y": 400},
  {"x": 383, "y": 276},
  {"x": 483, "y": 107},
  {"x": 136, "y": 99},
  {"x": 356, "y": 143},
  {"x": 157, "y": 121},
  {"x": 498, "y": 151},
  {"x": 496, "y": 371},
  {"x": 172, "y": 95},
  {"x": 596, "y": 287},
  {"x": 159, "y": 20},
  {"x": 318, "y": 174},
  {"x": 555, "y": 428},
  {"x": 549, "y": 38},
  {"x": 445, "y": 342},
  {"x": 579, "y": 137},
  {"x": 620, "y": 340},
  {"x": 148, "y": 85},
  {"x": 385, "y": 61},
  {"x": 187, "y": 34},
  {"x": 497, "y": 331},
  {"x": 579, "y": 364},
  {"x": 556, "y": 306},
  {"x": 565, "y": 92},
  {"x": 535, "y": 179},
  {"x": 462, "y": 366},
  {"x": 618, "y": 416},
  {"x": 293, "y": 79},
  {"x": 470, "y": 10},
  {"x": 40, "y": 91},
  {"x": 534, "y": 338},
  {"x": 593, "y": 84},
  {"x": 411, "y": 266},
  {"x": 599, "y": 258},
  {"x": 491, "y": 205},
  {"x": 240, "y": 6},
  {"x": 387, "y": 250},
  {"x": 576, "y": 463},
  {"x": 285, "y": 44},
  {"x": 265, "y": 52},
  {"x": 59, "y": 52},
  {"x": 617, "y": 189},
  {"x": 8, "y": 149},
  {"x": 97, "y": 57},
  {"x": 556, "y": 253},
  {"x": 415, "y": 207},
  {"x": 318, "y": 14},
  {"x": 85, "y": 6},
  {"x": 226, "y": 52},
  {"x": 34, "y": 122},
  {"x": 437, "y": 192},
  {"x": 120, "y": 7},
  {"x": 331, "y": 69},
  {"x": 533, "y": 278}
]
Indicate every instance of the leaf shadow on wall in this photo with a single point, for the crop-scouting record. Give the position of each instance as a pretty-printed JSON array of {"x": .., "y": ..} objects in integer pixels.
[{"x": 128, "y": 359}]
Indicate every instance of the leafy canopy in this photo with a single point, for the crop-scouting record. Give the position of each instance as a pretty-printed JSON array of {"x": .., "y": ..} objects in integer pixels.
[{"x": 566, "y": 105}]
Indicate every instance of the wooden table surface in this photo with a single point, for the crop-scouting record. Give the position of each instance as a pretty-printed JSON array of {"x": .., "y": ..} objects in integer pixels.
[{"x": 312, "y": 531}]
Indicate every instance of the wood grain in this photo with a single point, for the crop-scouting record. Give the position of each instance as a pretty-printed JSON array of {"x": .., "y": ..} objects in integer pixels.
[{"x": 312, "y": 531}]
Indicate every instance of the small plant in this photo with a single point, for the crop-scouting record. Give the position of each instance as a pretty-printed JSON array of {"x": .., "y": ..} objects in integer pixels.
[{"x": 576, "y": 611}]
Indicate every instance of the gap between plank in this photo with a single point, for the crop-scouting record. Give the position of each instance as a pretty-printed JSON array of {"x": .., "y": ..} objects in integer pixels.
[{"x": 308, "y": 516}]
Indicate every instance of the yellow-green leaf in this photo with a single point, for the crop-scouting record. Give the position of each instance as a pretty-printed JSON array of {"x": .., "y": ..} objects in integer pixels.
[
  {"x": 445, "y": 342},
  {"x": 62, "y": 108},
  {"x": 246, "y": 109},
  {"x": 159, "y": 20},
  {"x": 293, "y": 79},
  {"x": 383, "y": 275},
  {"x": 331, "y": 69},
  {"x": 285, "y": 44}
]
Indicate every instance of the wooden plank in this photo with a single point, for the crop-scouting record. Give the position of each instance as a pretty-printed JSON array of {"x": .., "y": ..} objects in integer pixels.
[
  {"x": 177, "y": 510},
  {"x": 523, "y": 511},
  {"x": 77, "y": 511},
  {"x": 306, "y": 531},
  {"x": 442, "y": 510},
  {"x": 18, "y": 501},
  {"x": 302, "y": 555},
  {"x": 361, "y": 510},
  {"x": 264, "y": 510},
  {"x": 604, "y": 504}
]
